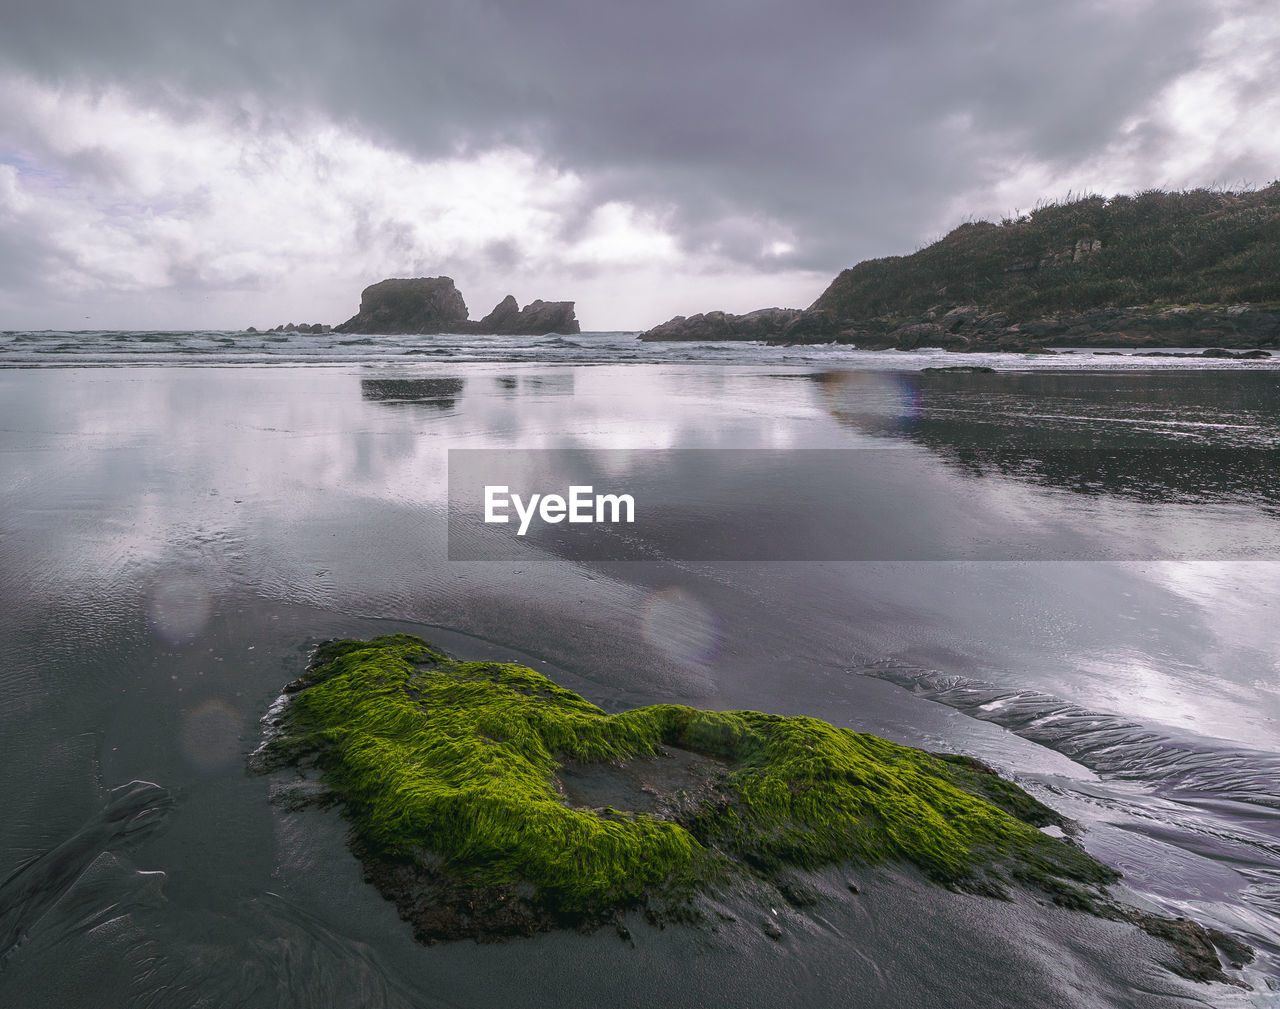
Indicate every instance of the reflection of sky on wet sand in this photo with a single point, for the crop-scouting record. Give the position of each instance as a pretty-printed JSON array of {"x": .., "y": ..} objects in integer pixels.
[
  {"x": 194, "y": 460},
  {"x": 175, "y": 486},
  {"x": 327, "y": 486}
]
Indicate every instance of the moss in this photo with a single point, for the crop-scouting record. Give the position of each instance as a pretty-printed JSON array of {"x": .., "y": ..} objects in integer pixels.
[{"x": 453, "y": 764}]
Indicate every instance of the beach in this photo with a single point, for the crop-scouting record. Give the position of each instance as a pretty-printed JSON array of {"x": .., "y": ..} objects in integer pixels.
[{"x": 1066, "y": 569}]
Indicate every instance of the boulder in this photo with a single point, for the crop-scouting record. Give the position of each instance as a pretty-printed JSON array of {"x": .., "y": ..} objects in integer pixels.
[
  {"x": 502, "y": 316},
  {"x": 537, "y": 318},
  {"x": 1244, "y": 355},
  {"x": 927, "y": 334},
  {"x": 814, "y": 326},
  {"x": 417, "y": 305},
  {"x": 763, "y": 324}
]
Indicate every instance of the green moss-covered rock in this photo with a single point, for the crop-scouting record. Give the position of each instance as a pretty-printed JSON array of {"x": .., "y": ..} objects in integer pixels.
[{"x": 461, "y": 782}]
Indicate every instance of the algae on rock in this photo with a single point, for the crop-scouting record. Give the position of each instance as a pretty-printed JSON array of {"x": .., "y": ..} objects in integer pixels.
[{"x": 458, "y": 780}]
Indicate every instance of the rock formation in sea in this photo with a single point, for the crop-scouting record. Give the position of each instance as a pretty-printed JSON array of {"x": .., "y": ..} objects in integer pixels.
[
  {"x": 434, "y": 305},
  {"x": 314, "y": 328},
  {"x": 417, "y": 305},
  {"x": 534, "y": 319},
  {"x": 503, "y": 315}
]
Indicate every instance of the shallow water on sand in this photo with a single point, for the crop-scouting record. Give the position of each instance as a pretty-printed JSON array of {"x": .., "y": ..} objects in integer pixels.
[{"x": 173, "y": 541}]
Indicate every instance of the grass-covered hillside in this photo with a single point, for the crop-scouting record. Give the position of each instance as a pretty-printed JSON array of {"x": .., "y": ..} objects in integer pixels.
[{"x": 1199, "y": 247}]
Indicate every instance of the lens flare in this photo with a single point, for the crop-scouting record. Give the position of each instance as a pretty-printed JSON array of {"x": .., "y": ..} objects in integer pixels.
[
  {"x": 876, "y": 402},
  {"x": 680, "y": 626},
  {"x": 210, "y": 735},
  {"x": 179, "y": 608}
]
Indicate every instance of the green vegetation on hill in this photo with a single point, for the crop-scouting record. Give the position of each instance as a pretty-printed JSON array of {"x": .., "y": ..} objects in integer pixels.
[
  {"x": 453, "y": 765},
  {"x": 1155, "y": 248}
]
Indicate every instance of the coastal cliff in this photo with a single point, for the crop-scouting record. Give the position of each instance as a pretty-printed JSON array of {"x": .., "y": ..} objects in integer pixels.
[
  {"x": 434, "y": 305},
  {"x": 1157, "y": 269}
]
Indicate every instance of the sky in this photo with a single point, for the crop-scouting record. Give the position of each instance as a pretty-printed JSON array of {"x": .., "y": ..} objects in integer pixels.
[{"x": 171, "y": 164}]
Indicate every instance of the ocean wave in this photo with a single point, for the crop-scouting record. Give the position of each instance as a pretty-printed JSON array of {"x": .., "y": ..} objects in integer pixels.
[{"x": 106, "y": 348}]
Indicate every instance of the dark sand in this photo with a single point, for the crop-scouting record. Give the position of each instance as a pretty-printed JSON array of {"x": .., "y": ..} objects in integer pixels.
[{"x": 173, "y": 541}]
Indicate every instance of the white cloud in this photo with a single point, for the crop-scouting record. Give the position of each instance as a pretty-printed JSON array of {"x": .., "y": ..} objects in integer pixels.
[
  {"x": 257, "y": 192},
  {"x": 1213, "y": 125},
  {"x": 149, "y": 218},
  {"x": 620, "y": 234}
]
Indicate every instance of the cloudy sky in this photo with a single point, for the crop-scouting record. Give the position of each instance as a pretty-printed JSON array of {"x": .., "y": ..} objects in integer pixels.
[{"x": 165, "y": 163}]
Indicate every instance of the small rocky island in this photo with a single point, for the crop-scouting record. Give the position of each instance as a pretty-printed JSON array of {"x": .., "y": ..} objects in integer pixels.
[
  {"x": 435, "y": 305},
  {"x": 487, "y": 801},
  {"x": 1199, "y": 268}
]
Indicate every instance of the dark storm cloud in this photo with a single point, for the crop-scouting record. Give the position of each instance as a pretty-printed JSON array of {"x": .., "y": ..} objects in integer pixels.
[{"x": 845, "y": 123}]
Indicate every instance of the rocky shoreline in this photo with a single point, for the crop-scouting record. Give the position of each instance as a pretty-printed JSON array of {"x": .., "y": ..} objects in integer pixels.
[{"x": 968, "y": 328}]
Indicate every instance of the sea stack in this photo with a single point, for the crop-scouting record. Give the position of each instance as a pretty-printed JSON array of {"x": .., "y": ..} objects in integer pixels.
[
  {"x": 417, "y": 305},
  {"x": 434, "y": 305}
]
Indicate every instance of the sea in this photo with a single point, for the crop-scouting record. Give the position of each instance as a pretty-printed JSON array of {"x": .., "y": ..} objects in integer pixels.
[{"x": 1067, "y": 566}]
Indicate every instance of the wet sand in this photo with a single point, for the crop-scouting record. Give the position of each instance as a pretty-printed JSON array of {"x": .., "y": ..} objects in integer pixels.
[{"x": 173, "y": 541}]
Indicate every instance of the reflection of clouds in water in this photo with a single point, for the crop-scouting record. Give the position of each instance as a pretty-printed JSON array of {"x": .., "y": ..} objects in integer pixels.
[
  {"x": 1236, "y": 598},
  {"x": 179, "y": 607},
  {"x": 210, "y": 735},
  {"x": 1224, "y": 586},
  {"x": 1239, "y": 635},
  {"x": 637, "y": 408},
  {"x": 272, "y": 478},
  {"x": 680, "y": 626},
  {"x": 1158, "y": 689}
]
